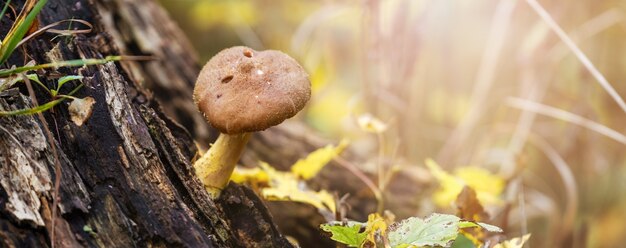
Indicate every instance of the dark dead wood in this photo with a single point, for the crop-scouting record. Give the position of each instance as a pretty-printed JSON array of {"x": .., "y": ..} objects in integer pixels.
[
  {"x": 127, "y": 179},
  {"x": 246, "y": 213}
]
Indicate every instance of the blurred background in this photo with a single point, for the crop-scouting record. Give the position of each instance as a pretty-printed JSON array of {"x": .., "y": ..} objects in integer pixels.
[{"x": 486, "y": 84}]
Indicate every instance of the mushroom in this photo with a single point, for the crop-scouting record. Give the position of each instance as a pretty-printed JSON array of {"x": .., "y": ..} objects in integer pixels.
[{"x": 240, "y": 91}]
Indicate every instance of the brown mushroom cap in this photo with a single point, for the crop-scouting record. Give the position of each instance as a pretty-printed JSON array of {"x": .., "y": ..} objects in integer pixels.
[{"x": 241, "y": 90}]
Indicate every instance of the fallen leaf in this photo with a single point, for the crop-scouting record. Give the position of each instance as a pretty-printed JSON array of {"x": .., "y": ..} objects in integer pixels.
[
  {"x": 468, "y": 206},
  {"x": 376, "y": 226},
  {"x": 250, "y": 175},
  {"x": 308, "y": 167},
  {"x": 286, "y": 186},
  {"x": 488, "y": 186},
  {"x": 80, "y": 110}
]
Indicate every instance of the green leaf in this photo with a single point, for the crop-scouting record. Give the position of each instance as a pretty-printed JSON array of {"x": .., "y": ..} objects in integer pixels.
[
  {"x": 40, "y": 108},
  {"x": 435, "y": 230},
  {"x": 490, "y": 228},
  {"x": 13, "y": 80},
  {"x": 35, "y": 78},
  {"x": 66, "y": 63},
  {"x": 467, "y": 224},
  {"x": 34, "y": 110},
  {"x": 19, "y": 29},
  {"x": 348, "y": 235},
  {"x": 66, "y": 79},
  {"x": 4, "y": 9},
  {"x": 462, "y": 242}
]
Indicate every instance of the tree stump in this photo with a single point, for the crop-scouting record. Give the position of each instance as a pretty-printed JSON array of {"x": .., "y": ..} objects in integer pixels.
[{"x": 126, "y": 175}]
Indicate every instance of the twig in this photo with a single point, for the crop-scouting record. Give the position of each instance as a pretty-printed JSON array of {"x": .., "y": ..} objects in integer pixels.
[
  {"x": 566, "y": 116},
  {"x": 579, "y": 54},
  {"x": 355, "y": 171},
  {"x": 57, "y": 163}
]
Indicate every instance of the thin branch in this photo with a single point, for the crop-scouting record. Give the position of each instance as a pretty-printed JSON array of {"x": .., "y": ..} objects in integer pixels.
[
  {"x": 579, "y": 54},
  {"x": 366, "y": 180},
  {"x": 566, "y": 116}
]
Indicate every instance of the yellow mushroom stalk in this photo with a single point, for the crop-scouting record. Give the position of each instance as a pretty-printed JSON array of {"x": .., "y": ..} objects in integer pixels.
[{"x": 215, "y": 167}]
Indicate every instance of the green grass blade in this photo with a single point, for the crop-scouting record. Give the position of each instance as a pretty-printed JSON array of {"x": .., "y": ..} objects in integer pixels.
[
  {"x": 66, "y": 79},
  {"x": 18, "y": 31},
  {"x": 35, "y": 78},
  {"x": 4, "y": 10},
  {"x": 30, "y": 111},
  {"x": 41, "y": 108},
  {"x": 67, "y": 63}
]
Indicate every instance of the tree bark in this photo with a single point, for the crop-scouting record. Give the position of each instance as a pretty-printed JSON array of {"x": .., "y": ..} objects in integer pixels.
[{"x": 126, "y": 175}]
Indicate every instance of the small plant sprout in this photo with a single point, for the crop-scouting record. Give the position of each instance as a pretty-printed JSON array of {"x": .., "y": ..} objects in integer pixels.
[{"x": 240, "y": 91}]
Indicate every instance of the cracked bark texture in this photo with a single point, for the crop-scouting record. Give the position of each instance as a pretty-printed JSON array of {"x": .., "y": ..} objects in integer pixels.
[{"x": 127, "y": 179}]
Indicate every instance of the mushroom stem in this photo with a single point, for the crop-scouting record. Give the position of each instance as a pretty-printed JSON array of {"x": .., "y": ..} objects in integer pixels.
[{"x": 215, "y": 167}]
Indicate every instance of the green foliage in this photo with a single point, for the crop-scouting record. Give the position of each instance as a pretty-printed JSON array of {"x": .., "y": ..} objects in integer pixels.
[
  {"x": 30, "y": 111},
  {"x": 14, "y": 38},
  {"x": 67, "y": 63},
  {"x": 437, "y": 229},
  {"x": 434, "y": 230},
  {"x": 348, "y": 235},
  {"x": 4, "y": 9},
  {"x": 20, "y": 28},
  {"x": 462, "y": 241},
  {"x": 89, "y": 230},
  {"x": 62, "y": 81},
  {"x": 53, "y": 93}
]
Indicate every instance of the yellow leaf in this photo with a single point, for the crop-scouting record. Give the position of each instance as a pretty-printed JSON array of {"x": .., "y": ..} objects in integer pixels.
[
  {"x": 376, "y": 225},
  {"x": 319, "y": 76},
  {"x": 285, "y": 186},
  {"x": 319, "y": 199},
  {"x": 514, "y": 242},
  {"x": 368, "y": 123},
  {"x": 241, "y": 175},
  {"x": 450, "y": 186},
  {"x": 308, "y": 167},
  {"x": 487, "y": 185},
  {"x": 288, "y": 186}
]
